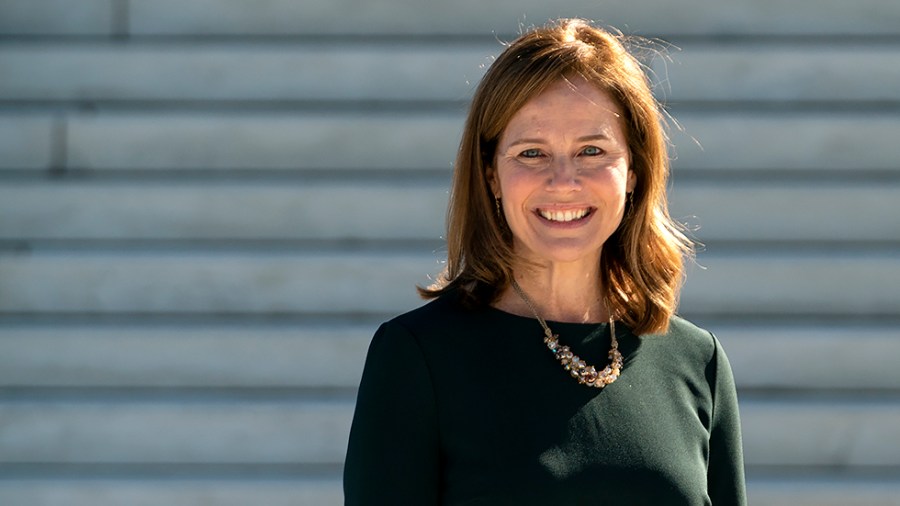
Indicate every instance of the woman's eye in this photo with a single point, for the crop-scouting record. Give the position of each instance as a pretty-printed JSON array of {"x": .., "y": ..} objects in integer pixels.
[
  {"x": 530, "y": 153},
  {"x": 592, "y": 151}
]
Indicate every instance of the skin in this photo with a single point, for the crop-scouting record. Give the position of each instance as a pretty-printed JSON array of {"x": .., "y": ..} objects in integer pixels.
[{"x": 564, "y": 152}]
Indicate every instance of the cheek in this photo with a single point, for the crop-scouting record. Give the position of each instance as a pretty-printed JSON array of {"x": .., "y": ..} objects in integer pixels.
[
  {"x": 517, "y": 185},
  {"x": 624, "y": 176}
]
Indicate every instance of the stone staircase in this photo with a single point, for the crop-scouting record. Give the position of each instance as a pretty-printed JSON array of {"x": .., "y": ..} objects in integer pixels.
[{"x": 207, "y": 207}]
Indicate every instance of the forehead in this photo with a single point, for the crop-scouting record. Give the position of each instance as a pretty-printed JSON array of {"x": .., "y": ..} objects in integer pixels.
[{"x": 568, "y": 104}]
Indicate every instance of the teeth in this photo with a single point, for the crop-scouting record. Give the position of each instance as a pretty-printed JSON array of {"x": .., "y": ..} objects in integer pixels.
[{"x": 563, "y": 215}]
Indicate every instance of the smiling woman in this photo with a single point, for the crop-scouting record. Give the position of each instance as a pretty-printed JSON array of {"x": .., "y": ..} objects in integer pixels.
[
  {"x": 562, "y": 172},
  {"x": 558, "y": 230}
]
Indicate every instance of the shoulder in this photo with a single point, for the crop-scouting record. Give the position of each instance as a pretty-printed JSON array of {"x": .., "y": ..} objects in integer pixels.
[
  {"x": 680, "y": 328},
  {"x": 435, "y": 314},
  {"x": 685, "y": 338},
  {"x": 430, "y": 327},
  {"x": 439, "y": 334},
  {"x": 405, "y": 344},
  {"x": 689, "y": 353}
]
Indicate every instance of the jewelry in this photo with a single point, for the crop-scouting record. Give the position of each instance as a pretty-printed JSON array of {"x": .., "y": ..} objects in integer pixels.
[
  {"x": 497, "y": 205},
  {"x": 585, "y": 374}
]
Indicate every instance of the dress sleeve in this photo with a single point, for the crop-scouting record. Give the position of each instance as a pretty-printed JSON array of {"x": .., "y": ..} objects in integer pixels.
[
  {"x": 725, "y": 475},
  {"x": 393, "y": 455}
]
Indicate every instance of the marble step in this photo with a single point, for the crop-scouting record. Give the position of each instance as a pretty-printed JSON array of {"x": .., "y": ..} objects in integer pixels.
[
  {"x": 811, "y": 142},
  {"x": 138, "y": 491},
  {"x": 835, "y": 211},
  {"x": 441, "y": 71},
  {"x": 823, "y": 283},
  {"x": 846, "y": 432},
  {"x": 819, "y": 489},
  {"x": 409, "y": 17},
  {"x": 764, "y": 356},
  {"x": 42, "y": 17}
]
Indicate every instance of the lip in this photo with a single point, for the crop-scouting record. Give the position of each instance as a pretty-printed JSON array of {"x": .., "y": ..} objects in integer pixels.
[{"x": 560, "y": 211}]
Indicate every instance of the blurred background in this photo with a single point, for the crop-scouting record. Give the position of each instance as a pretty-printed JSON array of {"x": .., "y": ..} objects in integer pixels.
[{"x": 207, "y": 207}]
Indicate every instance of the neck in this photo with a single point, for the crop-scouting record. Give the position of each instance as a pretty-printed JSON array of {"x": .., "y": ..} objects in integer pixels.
[{"x": 559, "y": 293}]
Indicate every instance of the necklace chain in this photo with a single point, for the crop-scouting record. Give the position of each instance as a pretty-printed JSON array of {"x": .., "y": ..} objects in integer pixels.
[{"x": 581, "y": 371}]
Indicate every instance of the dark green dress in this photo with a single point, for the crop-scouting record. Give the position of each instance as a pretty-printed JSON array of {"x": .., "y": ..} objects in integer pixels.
[{"x": 469, "y": 407}]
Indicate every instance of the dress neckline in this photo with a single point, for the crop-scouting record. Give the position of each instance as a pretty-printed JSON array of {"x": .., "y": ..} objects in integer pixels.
[{"x": 552, "y": 323}]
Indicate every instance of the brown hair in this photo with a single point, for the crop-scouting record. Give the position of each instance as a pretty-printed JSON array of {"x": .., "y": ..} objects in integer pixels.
[{"x": 642, "y": 261}]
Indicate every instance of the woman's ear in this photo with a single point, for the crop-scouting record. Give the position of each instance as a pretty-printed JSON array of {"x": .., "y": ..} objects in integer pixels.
[
  {"x": 631, "y": 182},
  {"x": 493, "y": 181}
]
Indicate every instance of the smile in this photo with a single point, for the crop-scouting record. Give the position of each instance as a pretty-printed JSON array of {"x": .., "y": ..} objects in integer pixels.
[{"x": 564, "y": 216}]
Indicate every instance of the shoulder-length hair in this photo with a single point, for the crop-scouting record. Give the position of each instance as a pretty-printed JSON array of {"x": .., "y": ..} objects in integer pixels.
[{"x": 641, "y": 263}]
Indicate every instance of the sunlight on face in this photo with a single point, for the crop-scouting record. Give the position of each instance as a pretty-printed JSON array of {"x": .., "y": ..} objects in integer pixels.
[{"x": 562, "y": 171}]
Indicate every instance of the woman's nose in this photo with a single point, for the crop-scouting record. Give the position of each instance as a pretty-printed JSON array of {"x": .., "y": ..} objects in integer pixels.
[{"x": 563, "y": 175}]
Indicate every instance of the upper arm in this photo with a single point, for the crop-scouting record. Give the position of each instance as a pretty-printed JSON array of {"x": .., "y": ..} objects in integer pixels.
[
  {"x": 393, "y": 455},
  {"x": 725, "y": 474}
]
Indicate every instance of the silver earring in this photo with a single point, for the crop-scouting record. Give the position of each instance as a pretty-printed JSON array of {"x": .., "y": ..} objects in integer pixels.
[{"x": 497, "y": 206}]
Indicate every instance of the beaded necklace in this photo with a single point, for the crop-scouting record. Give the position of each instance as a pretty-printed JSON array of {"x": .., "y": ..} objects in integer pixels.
[{"x": 584, "y": 373}]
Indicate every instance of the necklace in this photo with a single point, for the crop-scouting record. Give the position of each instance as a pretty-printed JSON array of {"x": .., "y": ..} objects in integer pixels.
[{"x": 585, "y": 374}]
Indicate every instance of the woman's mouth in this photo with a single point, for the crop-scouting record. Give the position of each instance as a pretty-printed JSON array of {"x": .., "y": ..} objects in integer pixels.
[{"x": 565, "y": 216}]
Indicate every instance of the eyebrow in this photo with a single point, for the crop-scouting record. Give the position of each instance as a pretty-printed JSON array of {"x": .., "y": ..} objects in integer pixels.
[{"x": 594, "y": 137}]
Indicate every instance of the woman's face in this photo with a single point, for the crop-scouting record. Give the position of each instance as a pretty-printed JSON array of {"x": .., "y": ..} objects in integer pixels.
[{"x": 562, "y": 171}]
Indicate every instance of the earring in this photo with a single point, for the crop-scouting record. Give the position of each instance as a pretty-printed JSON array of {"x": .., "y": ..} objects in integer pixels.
[{"x": 497, "y": 206}]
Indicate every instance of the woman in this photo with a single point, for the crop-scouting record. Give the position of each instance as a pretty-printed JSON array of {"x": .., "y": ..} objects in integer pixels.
[{"x": 550, "y": 368}]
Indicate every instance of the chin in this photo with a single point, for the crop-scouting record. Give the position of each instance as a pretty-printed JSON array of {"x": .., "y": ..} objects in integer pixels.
[{"x": 563, "y": 254}]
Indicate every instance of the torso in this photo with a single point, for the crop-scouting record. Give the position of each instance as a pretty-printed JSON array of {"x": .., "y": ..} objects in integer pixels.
[{"x": 515, "y": 428}]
